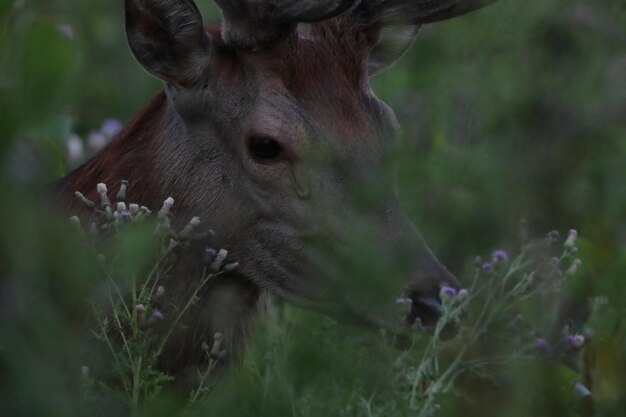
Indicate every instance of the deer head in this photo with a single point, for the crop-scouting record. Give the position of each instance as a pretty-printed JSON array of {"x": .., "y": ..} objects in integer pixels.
[{"x": 271, "y": 133}]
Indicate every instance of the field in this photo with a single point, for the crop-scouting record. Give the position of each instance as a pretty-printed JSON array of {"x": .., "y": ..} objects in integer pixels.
[{"x": 512, "y": 164}]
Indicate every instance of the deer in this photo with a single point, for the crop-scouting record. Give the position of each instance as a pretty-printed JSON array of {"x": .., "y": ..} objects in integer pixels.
[{"x": 267, "y": 129}]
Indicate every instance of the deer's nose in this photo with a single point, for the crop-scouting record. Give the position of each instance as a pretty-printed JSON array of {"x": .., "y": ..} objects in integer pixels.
[
  {"x": 427, "y": 311},
  {"x": 426, "y": 306}
]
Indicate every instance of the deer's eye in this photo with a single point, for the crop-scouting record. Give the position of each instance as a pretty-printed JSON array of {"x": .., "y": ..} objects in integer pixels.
[{"x": 264, "y": 148}]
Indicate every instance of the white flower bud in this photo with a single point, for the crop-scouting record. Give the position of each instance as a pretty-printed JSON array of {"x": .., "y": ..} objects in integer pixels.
[
  {"x": 574, "y": 267},
  {"x": 102, "y": 188}
]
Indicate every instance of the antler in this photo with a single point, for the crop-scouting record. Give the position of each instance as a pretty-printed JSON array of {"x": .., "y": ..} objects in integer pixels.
[
  {"x": 254, "y": 23},
  {"x": 386, "y": 12}
]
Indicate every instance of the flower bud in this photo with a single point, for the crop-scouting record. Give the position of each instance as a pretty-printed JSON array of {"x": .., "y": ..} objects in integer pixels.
[
  {"x": 570, "y": 242},
  {"x": 86, "y": 202},
  {"x": 166, "y": 208},
  {"x": 447, "y": 292},
  {"x": 499, "y": 256},
  {"x": 541, "y": 346},
  {"x": 232, "y": 267},
  {"x": 216, "y": 265},
  {"x": 575, "y": 341},
  {"x": 574, "y": 267},
  {"x": 121, "y": 194},
  {"x": 160, "y": 292},
  {"x": 103, "y": 191}
]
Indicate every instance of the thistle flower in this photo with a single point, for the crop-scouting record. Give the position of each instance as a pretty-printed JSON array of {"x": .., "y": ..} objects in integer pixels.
[
  {"x": 111, "y": 127},
  {"x": 217, "y": 352},
  {"x": 570, "y": 242},
  {"x": 209, "y": 255},
  {"x": 447, "y": 292},
  {"x": 216, "y": 265},
  {"x": 499, "y": 256},
  {"x": 103, "y": 191},
  {"x": 575, "y": 341},
  {"x": 88, "y": 203},
  {"x": 67, "y": 31},
  {"x": 541, "y": 346},
  {"x": 159, "y": 292},
  {"x": 487, "y": 266},
  {"x": 573, "y": 267},
  {"x": 121, "y": 206},
  {"x": 75, "y": 221},
  {"x": 121, "y": 194},
  {"x": 166, "y": 208},
  {"x": 96, "y": 140},
  {"x": 188, "y": 230},
  {"x": 157, "y": 315},
  {"x": 231, "y": 267},
  {"x": 133, "y": 208},
  {"x": 140, "y": 309},
  {"x": 462, "y": 295}
]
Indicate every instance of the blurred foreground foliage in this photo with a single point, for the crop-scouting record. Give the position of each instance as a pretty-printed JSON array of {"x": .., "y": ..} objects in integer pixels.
[{"x": 518, "y": 111}]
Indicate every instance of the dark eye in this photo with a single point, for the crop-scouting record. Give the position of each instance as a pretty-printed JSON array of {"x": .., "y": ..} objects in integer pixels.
[{"x": 264, "y": 148}]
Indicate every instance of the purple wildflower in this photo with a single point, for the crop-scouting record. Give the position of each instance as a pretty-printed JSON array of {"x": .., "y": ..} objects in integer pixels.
[
  {"x": 500, "y": 256},
  {"x": 575, "y": 341},
  {"x": 448, "y": 292},
  {"x": 111, "y": 127},
  {"x": 67, "y": 31},
  {"x": 487, "y": 266},
  {"x": 125, "y": 214},
  {"x": 158, "y": 315},
  {"x": 541, "y": 345},
  {"x": 97, "y": 140}
]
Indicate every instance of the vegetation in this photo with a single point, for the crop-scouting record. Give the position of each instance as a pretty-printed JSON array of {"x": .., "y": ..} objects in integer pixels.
[{"x": 513, "y": 125}]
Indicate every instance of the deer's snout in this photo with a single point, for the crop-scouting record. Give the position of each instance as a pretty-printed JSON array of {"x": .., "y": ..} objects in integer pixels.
[{"x": 424, "y": 291}]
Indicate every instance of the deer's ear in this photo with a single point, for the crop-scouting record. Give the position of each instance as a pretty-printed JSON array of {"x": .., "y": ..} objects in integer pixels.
[
  {"x": 168, "y": 39},
  {"x": 392, "y": 43}
]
